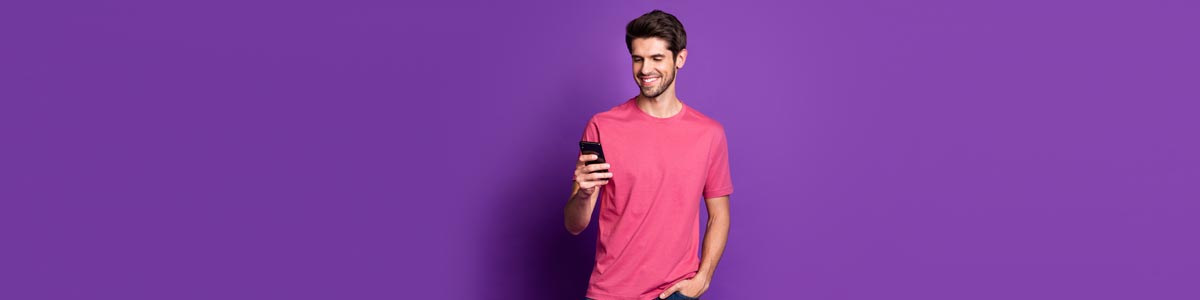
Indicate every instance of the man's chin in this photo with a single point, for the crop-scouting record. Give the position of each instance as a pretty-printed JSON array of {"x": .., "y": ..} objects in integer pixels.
[{"x": 650, "y": 93}]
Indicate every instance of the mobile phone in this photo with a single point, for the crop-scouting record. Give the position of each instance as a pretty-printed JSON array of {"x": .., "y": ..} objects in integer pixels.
[{"x": 586, "y": 147}]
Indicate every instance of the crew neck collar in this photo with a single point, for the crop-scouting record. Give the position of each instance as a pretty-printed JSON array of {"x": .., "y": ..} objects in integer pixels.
[{"x": 682, "y": 109}]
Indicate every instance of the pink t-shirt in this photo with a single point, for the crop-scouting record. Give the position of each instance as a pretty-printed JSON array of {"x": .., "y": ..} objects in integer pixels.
[{"x": 650, "y": 210}]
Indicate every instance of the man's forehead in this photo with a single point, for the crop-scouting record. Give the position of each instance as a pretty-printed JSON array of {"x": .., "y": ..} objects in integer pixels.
[{"x": 649, "y": 46}]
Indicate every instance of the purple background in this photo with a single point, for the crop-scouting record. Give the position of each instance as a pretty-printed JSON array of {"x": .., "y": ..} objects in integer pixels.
[{"x": 382, "y": 150}]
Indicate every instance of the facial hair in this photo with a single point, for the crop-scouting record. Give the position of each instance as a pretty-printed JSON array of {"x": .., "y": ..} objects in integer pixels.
[{"x": 667, "y": 80}]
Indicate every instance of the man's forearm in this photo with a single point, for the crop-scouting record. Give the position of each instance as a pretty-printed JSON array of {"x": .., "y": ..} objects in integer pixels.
[
  {"x": 714, "y": 244},
  {"x": 578, "y": 211}
]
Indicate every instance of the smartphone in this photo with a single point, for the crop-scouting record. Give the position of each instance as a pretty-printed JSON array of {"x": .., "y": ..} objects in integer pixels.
[{"x": 586, "y": 147}]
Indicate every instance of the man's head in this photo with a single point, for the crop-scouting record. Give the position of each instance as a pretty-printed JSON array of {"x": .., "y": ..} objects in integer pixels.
[{"x": 658, "y": 46}]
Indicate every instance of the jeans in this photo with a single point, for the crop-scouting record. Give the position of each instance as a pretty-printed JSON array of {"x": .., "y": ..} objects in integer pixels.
[{"x": 675, "y": 296}]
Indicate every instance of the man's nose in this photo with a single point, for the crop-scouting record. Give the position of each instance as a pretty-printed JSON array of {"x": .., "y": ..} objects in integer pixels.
[{"x": 646, "y": 70}]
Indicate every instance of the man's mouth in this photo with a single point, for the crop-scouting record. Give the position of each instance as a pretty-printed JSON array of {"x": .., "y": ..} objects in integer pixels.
[{"x": 647, "y": 81}]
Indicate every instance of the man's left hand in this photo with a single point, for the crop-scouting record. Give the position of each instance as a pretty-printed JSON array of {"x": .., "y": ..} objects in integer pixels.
[{"x": 691, "y": 287}]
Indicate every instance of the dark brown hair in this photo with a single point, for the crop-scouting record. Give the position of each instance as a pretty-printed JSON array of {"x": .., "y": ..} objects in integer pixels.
[{"x": 660, "y": 25}]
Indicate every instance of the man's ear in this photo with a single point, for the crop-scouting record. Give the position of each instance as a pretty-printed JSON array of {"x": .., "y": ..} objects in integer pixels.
[{"x": 680, "y": 59}]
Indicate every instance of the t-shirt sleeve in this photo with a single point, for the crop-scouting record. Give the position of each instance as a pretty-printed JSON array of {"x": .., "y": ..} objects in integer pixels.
[
  {"x": 718, "y": 182},
  {"x": 591, "y": 133}
]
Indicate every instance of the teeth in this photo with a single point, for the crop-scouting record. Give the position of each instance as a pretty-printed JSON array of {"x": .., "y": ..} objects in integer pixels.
[{"x": 648, "y": 80}]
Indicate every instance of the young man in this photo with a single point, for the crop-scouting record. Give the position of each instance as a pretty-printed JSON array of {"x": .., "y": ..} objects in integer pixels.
[{"x": 662, "y": 157}]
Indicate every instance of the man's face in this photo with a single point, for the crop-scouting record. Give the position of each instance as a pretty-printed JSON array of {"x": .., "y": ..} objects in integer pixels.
[{"x": 653, "y": 65}]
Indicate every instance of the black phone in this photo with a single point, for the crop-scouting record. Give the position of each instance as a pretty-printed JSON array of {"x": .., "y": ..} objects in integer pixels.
[{"x": 586, "y": 147}]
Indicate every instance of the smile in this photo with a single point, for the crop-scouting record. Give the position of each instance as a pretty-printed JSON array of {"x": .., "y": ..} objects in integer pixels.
[{"x": 649, "y": 80}]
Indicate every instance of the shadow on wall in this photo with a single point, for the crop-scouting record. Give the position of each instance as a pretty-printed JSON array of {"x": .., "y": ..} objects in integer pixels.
[{"x": 532, "y": 255}]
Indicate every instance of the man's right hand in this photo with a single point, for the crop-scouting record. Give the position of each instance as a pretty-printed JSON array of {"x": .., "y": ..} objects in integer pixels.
[
  {"x": 589, "y": 182},
  {"x": 578, "y": 211}
]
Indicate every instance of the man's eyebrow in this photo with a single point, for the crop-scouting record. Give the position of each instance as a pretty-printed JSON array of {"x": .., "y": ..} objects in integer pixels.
[{"x": 656, "y": 55}]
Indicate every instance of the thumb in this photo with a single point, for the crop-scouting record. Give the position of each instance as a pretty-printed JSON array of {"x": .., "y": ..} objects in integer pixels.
[{"x": 669, "y": 291}]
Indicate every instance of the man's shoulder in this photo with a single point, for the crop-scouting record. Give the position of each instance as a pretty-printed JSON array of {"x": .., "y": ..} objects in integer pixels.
[
  {"x": 704, "y": 121},
  {"x": 617, "y": 112}
]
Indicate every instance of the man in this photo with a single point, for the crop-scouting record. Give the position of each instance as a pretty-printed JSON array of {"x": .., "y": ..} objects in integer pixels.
[{"x": 662, "y": 157}]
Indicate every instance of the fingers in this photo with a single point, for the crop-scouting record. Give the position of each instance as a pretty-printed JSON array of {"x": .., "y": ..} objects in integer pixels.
[
  {"x": 592, "y": 184},
  {"x": 672, "y": 290},
  {"x": 588, "y": 157},
  {"x": 589, "y": 180},
  {"x": 597, "y": 176},
  {"x": 590, "y": 176},
  {"x": 595, "y": 167}
]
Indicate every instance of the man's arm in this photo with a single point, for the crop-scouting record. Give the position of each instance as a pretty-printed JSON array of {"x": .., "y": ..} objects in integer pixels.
[
  {"x": 715, "y": 237},
  {"x": 714, "y": 245},
  {"x": 578, "y": 211}
]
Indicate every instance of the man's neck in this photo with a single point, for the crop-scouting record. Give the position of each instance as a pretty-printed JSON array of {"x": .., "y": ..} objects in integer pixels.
[{"x": 663, "y": 106}]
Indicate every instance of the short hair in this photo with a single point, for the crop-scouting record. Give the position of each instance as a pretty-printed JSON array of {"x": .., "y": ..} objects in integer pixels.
[{"x": 657, "y": 24}]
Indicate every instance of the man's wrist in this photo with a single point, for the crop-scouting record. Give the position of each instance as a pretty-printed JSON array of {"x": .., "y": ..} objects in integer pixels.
[{"x": 584, "y": 193}]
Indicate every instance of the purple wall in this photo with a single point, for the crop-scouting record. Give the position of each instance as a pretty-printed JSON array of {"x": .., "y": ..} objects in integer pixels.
[{"x": 373, "y": 150}]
